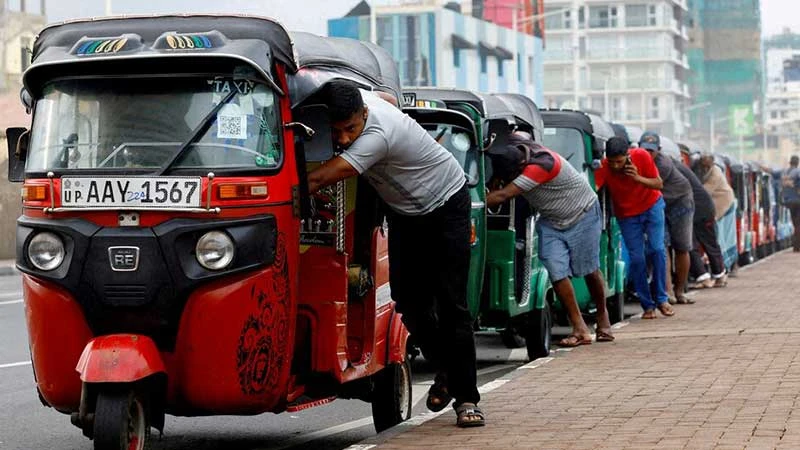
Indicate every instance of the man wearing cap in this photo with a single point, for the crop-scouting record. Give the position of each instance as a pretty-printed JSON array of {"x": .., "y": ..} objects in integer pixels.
[
  {"x": 634, "y": 185},
  {"x": 568, "y": 229},
  {"x": 679, "y": 211},
  {"x": 790, "y": 197}
]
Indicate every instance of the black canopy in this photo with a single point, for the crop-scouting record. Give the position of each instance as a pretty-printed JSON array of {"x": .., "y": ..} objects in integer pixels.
[{"x": 557, "y": 118}]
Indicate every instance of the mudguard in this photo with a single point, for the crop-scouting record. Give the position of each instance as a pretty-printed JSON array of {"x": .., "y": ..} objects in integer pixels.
[
  {"x": 398, "y": 336},
  {"x": 119, "y": 358}
]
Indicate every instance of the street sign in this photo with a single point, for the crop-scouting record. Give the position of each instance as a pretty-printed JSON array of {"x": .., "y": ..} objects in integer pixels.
[{"x": 741, "y": 120}]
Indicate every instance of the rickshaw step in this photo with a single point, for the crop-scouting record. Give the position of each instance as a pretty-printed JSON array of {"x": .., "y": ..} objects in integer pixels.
[{"x": 305, "y": 403}]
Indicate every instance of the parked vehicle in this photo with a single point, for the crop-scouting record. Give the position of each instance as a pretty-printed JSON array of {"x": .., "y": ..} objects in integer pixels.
[
  {"x": 167, "y": 227},
  {"x": 508, "y": 285}
]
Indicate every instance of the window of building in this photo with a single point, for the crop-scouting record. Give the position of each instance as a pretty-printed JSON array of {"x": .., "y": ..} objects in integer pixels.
[
  {"x": 603, "y": 16},
  {"x": 774, "y": 114},
  {"x": 616, "y": 108},
  {"x": 519, "y": 67},
  {"x": 500, "y": 68},
  {"x": 652, "y": 111},
  {"x": 652, "y": 15},
  {"x": 25, "y": 53},
  {"x": 484, "y": 63},
  {"x": 456, "y": 57},
  {"x": 530, "y": 70},
  {"x": 636, "y": 15}
]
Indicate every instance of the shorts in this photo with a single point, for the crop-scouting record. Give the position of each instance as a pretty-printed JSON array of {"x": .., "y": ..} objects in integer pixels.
[
  {"x": 680, "y": 222},
  {"x": 575, "y": 251}
]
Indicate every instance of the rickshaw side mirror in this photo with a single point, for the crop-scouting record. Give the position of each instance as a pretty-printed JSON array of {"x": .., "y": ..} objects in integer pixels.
[
  {"x": 18, "y": 139},
  {"x": 315, "y": 124}
]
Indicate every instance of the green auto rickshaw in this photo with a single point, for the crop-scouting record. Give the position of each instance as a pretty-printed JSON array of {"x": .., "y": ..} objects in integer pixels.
[{"x": 508, "y": 287}]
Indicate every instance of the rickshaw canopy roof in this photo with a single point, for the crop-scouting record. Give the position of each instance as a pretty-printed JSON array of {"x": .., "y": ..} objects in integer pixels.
[
  {"x": 257, "y": 41},
  {"x": 448, "y": 95},
  {"x": 321, "y": 59},
  {"x": 670, "y": 148},
  {"x": 524, "y": 109},
  {"x": 601, "y": 128},
  {"x": 562, "y": 118}
]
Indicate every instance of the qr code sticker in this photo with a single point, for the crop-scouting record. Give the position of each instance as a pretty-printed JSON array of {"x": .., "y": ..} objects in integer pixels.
[{"x": 231, "y": 127}]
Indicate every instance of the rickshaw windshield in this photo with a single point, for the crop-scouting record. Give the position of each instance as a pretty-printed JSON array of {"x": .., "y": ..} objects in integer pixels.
[
  {"x": 140, "y": 124},
  {"x": 567, "y": 142},
  {"x": 458, "y": 141}
]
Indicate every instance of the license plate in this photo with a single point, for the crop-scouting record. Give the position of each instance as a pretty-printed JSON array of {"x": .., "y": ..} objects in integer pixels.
[{"x": 119, "y": 192}]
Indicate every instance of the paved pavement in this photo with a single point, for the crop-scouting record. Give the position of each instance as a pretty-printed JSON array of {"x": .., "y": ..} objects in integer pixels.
[{"x": 723, "y": 373}]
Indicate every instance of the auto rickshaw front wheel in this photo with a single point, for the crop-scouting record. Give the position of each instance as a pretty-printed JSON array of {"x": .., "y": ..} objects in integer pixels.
[
  {"x": 391, "y": 396},
  {"x": 121, "y": 422},
  {"x": 538, "y": 333}
]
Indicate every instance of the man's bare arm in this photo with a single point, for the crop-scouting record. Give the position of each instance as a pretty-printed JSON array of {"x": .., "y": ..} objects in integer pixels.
[
  {"x": 329, "y": 173},
  {"x": 502, "y": 195}
]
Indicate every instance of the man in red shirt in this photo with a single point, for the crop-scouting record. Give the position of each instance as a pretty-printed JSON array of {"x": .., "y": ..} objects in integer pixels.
[{"x": 633, "y": 183}]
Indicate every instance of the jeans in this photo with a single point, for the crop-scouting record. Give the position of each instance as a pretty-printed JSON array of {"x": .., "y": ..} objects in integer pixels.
[
  {"x": 428, "y": 268},
  {"x": 634, "y": 229}
]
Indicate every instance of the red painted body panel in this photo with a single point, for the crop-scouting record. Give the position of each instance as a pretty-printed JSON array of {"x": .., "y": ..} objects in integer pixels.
[
  {"x": 119, "y": 358},
  {"x": 58, "y": 333}
]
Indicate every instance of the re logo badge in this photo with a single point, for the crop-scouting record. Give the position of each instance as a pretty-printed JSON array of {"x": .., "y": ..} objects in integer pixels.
[{"x": 123, "y": 259}]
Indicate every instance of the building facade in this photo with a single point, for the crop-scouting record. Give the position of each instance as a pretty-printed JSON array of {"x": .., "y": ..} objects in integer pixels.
[
  {"x": 782, "y": 94},
  {"x": 437, "y": 46},
  {"x": 18, "y": 29},
  {"x": 623, "y": 58},
  {"x": 726, "y": 59}
]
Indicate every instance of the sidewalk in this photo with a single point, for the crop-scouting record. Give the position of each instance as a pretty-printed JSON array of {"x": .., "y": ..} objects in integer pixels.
[
  {"x": 8, "y": 267},
  {"x": 723, "y": 373}
]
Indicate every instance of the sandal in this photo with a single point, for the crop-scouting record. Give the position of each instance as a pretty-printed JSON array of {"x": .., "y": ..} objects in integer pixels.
[
  {"x": 603, "y": 336},
  {"x": 438, "y": 397},
  {"x": 469, "y": 415},
  {"x": 649, "y": 314},
  {"x": 574, "y": 341},
  {"x": 684, "y": 300},
  {"x": 666, "y": 309}
]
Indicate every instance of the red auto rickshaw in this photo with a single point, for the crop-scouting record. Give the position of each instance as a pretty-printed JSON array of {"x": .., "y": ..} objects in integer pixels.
[{"x": 173, "y": 262}]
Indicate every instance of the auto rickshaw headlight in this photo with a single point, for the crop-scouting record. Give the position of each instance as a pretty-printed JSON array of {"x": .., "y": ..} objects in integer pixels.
[
  {"x": 214, "y": 250},
  {"x": 46, "y": 251}
]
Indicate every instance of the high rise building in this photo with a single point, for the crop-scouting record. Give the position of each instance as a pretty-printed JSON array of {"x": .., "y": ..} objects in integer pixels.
[
  {"x": 623, "y": 58},
  {"x": 782, "y": 94},
  {"x": 725, "y": 55}
]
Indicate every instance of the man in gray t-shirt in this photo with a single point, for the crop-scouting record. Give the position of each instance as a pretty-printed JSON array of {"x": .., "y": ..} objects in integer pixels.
[{"x": 429, "y": 232}]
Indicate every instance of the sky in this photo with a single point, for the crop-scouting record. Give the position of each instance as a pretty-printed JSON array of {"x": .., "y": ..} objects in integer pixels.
[{"x": 312, "y": 15}]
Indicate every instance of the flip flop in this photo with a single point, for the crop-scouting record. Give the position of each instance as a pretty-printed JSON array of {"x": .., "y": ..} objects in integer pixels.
[
  {"x": 649, "y": 314},
  {"x": 470, "y": 410},
  {"x": 574, "y": 341},
  {"x": 684, "y": 300},
  {"x": 666, "y": 309},
  {"x": 438, "y": 397},
  {"x": 603, "y": 336}
]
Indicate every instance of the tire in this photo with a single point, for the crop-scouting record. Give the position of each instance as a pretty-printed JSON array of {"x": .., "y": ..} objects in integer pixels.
[
  {"x": 511, "y": 337},
  {"x": 616, "y": 307},
  {"x": 121, "y": 422},
  {"x": 538, "y": 338},
  {"x": 391, "y": 398}
]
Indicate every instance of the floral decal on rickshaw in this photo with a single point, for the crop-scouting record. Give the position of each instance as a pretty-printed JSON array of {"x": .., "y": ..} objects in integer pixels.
[{"x": 263, "y": 342}]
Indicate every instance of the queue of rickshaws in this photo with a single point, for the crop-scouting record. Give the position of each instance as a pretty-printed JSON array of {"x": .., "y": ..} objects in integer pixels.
[{"x": 173, "y": 261}]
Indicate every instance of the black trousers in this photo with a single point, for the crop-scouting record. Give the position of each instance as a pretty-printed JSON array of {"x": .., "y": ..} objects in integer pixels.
[
  {"x": 795, "y": 210},
  {"x": 428, "y": 268},
  {"x": 705, "y": 234}
]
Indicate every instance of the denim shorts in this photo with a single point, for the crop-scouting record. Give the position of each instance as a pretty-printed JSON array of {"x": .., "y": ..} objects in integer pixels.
[
  {"x": 575, "y": 251},
  {"x": 680, "y": 222}
]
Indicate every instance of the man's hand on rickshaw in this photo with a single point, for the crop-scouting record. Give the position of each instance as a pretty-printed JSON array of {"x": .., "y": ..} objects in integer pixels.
[
  {"x": 500, "y": 196},
  {"x": 329, "y": 173}
]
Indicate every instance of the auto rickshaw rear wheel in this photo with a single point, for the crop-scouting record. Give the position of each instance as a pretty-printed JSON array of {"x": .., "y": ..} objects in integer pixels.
[
  {"x": 538, "y": 334},
  {"x": 616, "y": 307},
  {"x": 121, "y": 422},
  {"x": 391, "y": 396},
  {"x": 511, "y": 336}
]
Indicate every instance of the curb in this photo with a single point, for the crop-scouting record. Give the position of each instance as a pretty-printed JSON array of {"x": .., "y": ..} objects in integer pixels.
[
  {"x": 420, "y": 419},
  {"x": 8, "y": 271}
]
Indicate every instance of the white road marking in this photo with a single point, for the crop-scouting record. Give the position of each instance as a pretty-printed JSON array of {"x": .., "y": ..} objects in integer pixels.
[
  {"x": 11, "y": 302},
  {"x": 11, "y": 294},
  {"x": 16, "y": 364},
  {"x": 302, "y": 439}
]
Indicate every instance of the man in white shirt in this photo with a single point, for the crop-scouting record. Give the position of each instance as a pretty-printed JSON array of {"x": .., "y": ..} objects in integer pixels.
[{"x": 429, "y": 231}]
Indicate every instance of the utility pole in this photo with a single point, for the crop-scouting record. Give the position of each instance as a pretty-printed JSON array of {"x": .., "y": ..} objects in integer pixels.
[
  {"x": 108, "y": 7},
  {"x": 575, "y": 53},
  {"x": 373, "y": 22}
]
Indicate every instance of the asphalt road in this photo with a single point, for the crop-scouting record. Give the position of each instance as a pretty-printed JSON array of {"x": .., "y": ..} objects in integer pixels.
[{"x": 26, "y": 424}]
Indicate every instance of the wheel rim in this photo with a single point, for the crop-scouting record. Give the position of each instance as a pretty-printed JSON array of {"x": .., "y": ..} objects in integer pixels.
[
  {"x": 136, "y": 426},
  {"x": 405, "y": 392}
]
